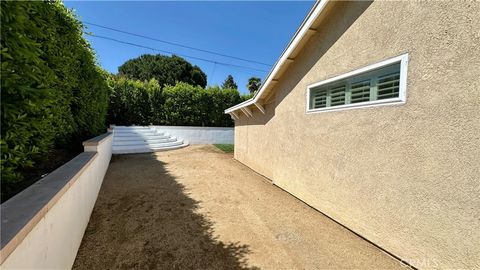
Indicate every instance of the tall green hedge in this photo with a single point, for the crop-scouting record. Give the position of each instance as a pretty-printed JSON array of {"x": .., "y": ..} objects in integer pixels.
[
  {"x": 130, "y": 101},
  {"x": 52, "y": 92},
  {"x": 145, "y": 103}
]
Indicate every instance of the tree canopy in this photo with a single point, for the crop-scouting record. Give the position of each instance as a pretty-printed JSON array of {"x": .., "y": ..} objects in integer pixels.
[
  {"x": 254, "y": 84},
  {"x": 229, "y": 83},
  {"x": 167, "y": 70}
]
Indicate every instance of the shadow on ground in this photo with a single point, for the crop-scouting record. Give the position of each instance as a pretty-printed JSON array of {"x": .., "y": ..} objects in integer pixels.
[{"x": 144, "y": 219}]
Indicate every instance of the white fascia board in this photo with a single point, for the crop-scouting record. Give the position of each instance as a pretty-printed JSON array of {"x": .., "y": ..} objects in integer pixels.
[
  {"x": 240, "y": 105},
  {"x": 299, "y": 35}
]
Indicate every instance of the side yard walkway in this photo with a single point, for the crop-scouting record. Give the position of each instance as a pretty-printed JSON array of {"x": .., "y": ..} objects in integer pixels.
[{"x": 197, "y": 208}]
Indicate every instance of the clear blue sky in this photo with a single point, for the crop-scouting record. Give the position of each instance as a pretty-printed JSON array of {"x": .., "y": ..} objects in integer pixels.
[{"x": 253, "y": 30}]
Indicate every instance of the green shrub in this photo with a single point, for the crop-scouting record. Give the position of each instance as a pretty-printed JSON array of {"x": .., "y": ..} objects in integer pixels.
[
  {"x": 157, "y": 99},
  {"x": 131, "y": 101},
  {"x": 185, "y": 105},
  {"x": 222, "y": 99},
  {"x": 145, "y": 103},
  {"x": 52, "y": 92}
]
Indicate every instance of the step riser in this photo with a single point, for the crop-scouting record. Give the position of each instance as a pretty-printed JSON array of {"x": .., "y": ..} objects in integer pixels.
[
  {"x": 133, "y": 130},
  {"x": 140, "y": 138},
  {"x": 121, "y": 134},
  {"x": 141, "y": 144},
  {"x": 159, "y": 145},
  {"x": 124, "y": 127},
  {"x": 138, "y": 134},
  {"x": 148, "y": 150},
  {"x": 146, "y": 146},
  {"x": 143, "y": 149},
  {"x": 121, "y": 143}
]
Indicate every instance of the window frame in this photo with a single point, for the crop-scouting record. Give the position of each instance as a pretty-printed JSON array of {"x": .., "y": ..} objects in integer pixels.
[{"x": 402, "y": 93}]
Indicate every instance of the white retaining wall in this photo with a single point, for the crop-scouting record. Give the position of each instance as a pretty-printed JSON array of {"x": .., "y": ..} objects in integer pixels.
[
  {"x": 200, "y": 135},
  {"x": 43, "y": 226}
]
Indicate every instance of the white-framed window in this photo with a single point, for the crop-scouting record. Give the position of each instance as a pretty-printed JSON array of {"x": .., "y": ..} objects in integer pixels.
[{"x": 383, "y": 83}]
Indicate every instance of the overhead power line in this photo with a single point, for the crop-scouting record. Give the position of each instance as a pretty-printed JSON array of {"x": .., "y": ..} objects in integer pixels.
[
  {"x": 159, "y": 50},
  {"x": 176, "y": 44}
]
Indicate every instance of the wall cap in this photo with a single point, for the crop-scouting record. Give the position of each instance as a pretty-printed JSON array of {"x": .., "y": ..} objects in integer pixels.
[
  {"x": 21, "y": 213},
  {"x": 97, "y": 140},
  {"x": 192, "y": 127}
]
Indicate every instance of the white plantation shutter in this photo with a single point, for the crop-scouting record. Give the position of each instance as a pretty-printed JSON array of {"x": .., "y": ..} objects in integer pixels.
[
  {"x": 320, "y": 99},
  {"x": 388, "y": 86},
  {"x": 379, "y": 84},
  {"x": 360, "y": 91},
  {"x": 337, "y": 95}
]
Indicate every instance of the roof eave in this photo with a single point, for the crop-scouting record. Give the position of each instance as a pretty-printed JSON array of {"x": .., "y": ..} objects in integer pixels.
[{"x": 301, "y": 32}]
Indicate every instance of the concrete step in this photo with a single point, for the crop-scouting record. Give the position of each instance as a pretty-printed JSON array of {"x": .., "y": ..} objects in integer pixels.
[
  {"x": 139, "y": 137},
  {"x": 148, "y": 149},
  {"x": 134, "y": 130},
  {"x": 127, "y": 140},
  {"x": 143, "y": 142},
  {"x": 121, "y": 130},
  {"x": 153, "y": 145},
  {"x": 130, "y": 128},
  {"x": 127, "y": 134}
]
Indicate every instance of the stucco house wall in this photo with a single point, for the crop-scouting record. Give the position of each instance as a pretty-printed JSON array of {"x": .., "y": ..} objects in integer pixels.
[{"x": 406, "y": 177}]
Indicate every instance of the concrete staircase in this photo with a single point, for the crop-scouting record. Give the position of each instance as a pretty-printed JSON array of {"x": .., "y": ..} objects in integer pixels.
[{"x": 137, "y": 139}]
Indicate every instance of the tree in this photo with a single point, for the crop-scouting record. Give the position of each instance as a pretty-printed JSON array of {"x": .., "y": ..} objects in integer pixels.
[
  {"x": 167, "y": 70},
  {"x": 198, "y": 77},
  {"x": 229, "y": 83},
  {"x": 254, "y": 84}
]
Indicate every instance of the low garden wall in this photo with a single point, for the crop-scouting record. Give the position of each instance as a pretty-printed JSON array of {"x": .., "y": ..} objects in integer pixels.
[
  {"x": 43, "y": 226},
  {"x": 200, "y": 135}
]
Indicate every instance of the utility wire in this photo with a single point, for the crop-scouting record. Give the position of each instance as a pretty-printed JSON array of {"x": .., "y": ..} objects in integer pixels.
[
  {"x": 176, "y": 44},
  {"x": 187, "y": 56},
  {"x": 213, "y": 70}
]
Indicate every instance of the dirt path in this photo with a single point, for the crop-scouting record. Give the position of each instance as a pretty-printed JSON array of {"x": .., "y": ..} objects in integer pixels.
[{"x": 197, "y": 208}]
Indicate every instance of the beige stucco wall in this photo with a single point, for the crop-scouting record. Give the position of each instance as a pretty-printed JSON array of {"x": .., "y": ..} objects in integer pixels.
[{"x": 406, "y": 177}]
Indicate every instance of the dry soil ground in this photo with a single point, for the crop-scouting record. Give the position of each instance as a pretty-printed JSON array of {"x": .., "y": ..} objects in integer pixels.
[{"x": 197, "y": 208}]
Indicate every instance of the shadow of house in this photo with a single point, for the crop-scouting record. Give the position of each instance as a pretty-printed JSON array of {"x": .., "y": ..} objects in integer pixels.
[{"x": 144, "y": 219}]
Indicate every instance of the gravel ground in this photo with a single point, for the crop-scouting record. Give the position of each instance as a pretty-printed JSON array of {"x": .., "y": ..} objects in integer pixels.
[{"x": 198, "y": 208}]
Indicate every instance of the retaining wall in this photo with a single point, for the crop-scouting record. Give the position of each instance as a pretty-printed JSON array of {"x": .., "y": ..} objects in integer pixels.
[
  {"x": 200, "y": 135},
  {"x": 43, "y": 226}
]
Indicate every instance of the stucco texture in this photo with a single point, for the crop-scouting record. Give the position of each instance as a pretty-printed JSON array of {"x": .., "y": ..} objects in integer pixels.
[{"x": 406, "y": 176}]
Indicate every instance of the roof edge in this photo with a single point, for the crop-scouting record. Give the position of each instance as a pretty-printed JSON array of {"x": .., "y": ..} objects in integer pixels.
[{"x": 313, "y": 14}]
